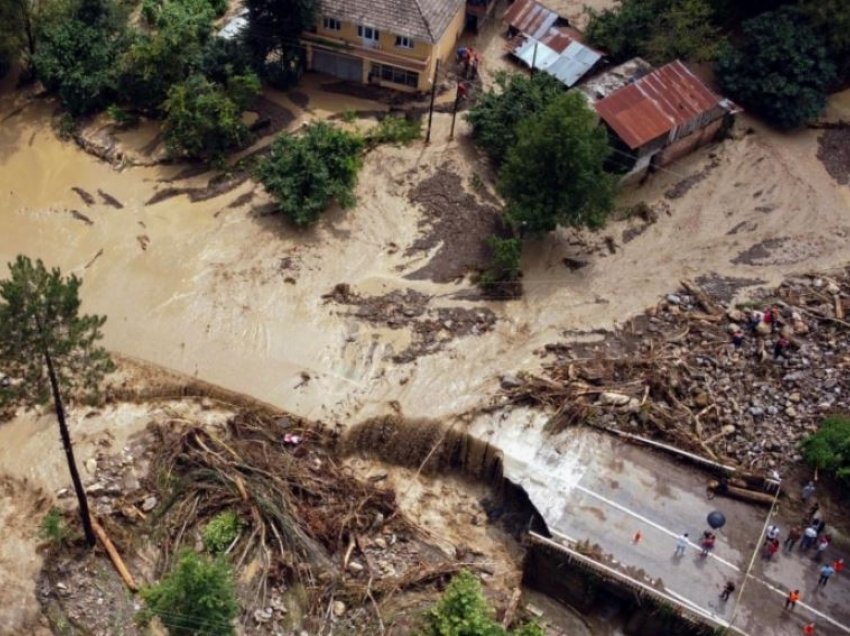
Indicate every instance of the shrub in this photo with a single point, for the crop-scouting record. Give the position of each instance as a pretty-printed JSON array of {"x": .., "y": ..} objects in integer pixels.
[
  {"x": 53, "y": 528},
  {"x": 393, "y": 129},
  {"x": 196, "y": 597},
  {"x": 306, "y": 172},
  {"x": 463, "y": 611},
  {"x": 829, "y": 448},
  {"x": 500, "y": 278},
  {"x": 221, "y": 531},
  {"x": 780, "y": 69}
]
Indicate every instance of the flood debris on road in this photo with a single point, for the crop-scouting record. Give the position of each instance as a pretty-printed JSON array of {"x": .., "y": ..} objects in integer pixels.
[{"x": 675, "y": 373}]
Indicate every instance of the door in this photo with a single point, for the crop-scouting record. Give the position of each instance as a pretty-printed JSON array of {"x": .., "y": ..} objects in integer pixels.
[{"x": 341, "y": 66}]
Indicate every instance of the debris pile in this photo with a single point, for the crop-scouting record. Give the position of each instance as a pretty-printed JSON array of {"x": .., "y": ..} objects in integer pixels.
[
  {"x": 316, "y": 546},
  {"x": 432, "y": 327},
  {"x": 675, "y": 372}
]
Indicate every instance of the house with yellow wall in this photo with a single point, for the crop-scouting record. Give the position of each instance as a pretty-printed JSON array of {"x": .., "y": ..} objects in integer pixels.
[{"x": 391, "y": 43}]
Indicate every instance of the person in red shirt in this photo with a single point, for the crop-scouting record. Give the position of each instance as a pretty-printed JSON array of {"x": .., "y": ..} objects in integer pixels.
[
  {"x": 809, "y": 628},
  {"x": 838, "y": 566}
]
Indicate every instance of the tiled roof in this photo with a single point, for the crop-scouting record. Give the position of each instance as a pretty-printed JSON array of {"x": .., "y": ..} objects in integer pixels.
[
  {"x": 657, "y": 103},
  {"x": 424, "y": 20}
]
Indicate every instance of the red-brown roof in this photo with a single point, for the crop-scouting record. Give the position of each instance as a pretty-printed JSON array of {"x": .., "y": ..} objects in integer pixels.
[
  {"x": 656, "y": 103},
  {"x": 529, "y": 17}
]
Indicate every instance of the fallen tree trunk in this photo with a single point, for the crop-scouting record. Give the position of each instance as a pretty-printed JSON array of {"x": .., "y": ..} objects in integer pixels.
[{"x": 116, "y": 559}]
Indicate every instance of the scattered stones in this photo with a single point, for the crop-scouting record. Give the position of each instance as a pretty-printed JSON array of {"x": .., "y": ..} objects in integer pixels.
[
  {"x": 339, "y": 608},
  {"x": 91, "y": 465},
  {"x": 149, "y": 503},
  {"x": 264, "y": 615},
  {"x": 510, "y": 381},
  {"x": 355, "y": 567}
]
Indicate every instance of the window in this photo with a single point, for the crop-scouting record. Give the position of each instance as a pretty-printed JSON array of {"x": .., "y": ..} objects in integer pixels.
[
  {"x": 332, "y": 24},
  {"x": 368, "y": 33},
  {"x": 387, "y": 73},
  {"x": 403, "y": 42}
]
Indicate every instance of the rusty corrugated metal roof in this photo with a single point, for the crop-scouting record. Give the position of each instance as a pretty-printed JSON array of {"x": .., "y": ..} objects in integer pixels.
[
  {"x": 530, "y": 18},
  {"x": 656, "y": 103}
]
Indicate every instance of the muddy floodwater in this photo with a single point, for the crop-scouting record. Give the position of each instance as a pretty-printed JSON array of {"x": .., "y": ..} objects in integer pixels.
[{"x": 221, "y": 289}]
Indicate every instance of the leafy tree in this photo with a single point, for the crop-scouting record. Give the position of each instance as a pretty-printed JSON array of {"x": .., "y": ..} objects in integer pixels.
[
  {"x": 20, "y": 21},
  {"x": 76, "y": 55},
  {"x": 463, "y": 611},
  {"x": 553, "y": 175},
  {"x": 686, "y": 30},
  {"x": 831, "y": 19},
  {"x": 829, "y": 448},
  {"x": 222, "y": 59},
  {"x": 203, "y": 120},
  {"x": 659, "y": 30},
  {"x": 156, "y": 62},
  {"x": 498, "y": 112},
  {"x": 779, "y": 69},
  {"x": 196, "y": 598},
  {"x": 306, "y": 172},
  {"x": 47, "y": 347},
  {"x": 274, "y": 33}
]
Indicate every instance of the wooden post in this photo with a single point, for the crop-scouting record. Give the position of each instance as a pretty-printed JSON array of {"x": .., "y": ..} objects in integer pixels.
[
  {"x": 116, "y": 559},
  {"x": 454, "y": 113},
  {"x": 534, "y": 58},
  {"x": 433, "y": 96}
]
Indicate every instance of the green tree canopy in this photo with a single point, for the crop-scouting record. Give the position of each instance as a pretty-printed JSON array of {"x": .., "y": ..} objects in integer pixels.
[
  {"x": 831, "y": 19},
  {"x": 195, "y": 599},
  {"x": 167, "y": 56},
  {"x": 274, "y": 33},
  {"x": 554, "y": 175},
  {"x": 204, "y": 120},
  {"x": 307, "y": 171},
  {"x": 659, "y": 30},
  {"x": 498, "y": 111},
  {"x": 47, "y": 347},
  {"x": 76, "y": 56},
  {"x": 780, "y": 69},
  {"x": 829, "y": 448},
  {"x": 463, "y": 611}
]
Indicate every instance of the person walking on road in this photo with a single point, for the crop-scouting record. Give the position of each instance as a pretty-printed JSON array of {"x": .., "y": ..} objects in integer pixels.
[
  {"x": 707, "y": 543},
  {"x": 794, "y": 535},
  {"x": 727, "y": 591},
  {"x": 809, "y": 536},
  {"x": 808, "y": 629},
  {"x": 825, "y": 572},
  {"x": 823, "y": 544},
  {"x": 808, "y": 490},
  {"x": 791, "y": 599},
  {"x": 772, "y": 533},
  {"x": 771, "y": 548},
  {"x": 681, "y": 545},
  {"x": 838, "y": 566}
]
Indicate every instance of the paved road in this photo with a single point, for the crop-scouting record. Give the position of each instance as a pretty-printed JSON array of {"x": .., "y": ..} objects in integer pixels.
[{"x": 591, "y": 486}]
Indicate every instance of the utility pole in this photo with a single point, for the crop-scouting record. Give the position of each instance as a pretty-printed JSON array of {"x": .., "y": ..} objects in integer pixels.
[
  {"x": 454, "y": 112},
  {"x": 533, "y": 59},
  {"x": 431, "y": 107},
  {"x": 69, "y": 452}
]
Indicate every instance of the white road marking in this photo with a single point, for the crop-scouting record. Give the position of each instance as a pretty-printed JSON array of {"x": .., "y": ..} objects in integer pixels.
[{"x": 732, "y": 566}]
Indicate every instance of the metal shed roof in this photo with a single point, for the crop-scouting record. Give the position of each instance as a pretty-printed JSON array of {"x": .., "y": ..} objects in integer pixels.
[
  {"x": 530, "y": 18},
  {"x": 568, "y": 65},
  {"x": 656, "y": 103}
]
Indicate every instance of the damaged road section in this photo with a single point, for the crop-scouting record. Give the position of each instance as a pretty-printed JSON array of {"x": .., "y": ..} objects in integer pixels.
[{"x": 432, "y": 328}]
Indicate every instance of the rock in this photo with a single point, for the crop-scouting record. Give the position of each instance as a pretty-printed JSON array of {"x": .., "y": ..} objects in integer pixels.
[
  {"x": 149, "y": 503},
  {"x": 510, "y": 381},
  {"x": 62, "y": 493},
  {"x": 790, "y": 411},
  {"x": 339, "y": 608},
  {"x": 701, "y": 399},
  {"x": 756, "y": 411},
  {"x": 832, "y": 287},
  {"x": 91, "y": 465},
  {"x": 380, "y": 543},
  {"x": 96, "y": 488},
  {"x": 795, "y": 397},
  {"x": 381, "y": 476},
  {"x": 673, "y": 299},
  {"x": 262, "y": 615},
  {"x": 355, "y": 567},
  {"x": 130, "y": 483},
  {"x": 613, "y": 399}
]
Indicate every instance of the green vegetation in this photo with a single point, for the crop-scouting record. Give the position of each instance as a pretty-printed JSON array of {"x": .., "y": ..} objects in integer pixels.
[
  {"x": 829, "y": 448},
  {"x": 659, "y": 30},
  {"x": 779, "y": 69},
  {"x": 196, "y": 598},
  {"x": 831, "y": 21},
  {"x": 221, "y": 531},
  {"x": 393, "y": 129},
  {"x": 463, "y": 611},
  {"x": 53, "y": 528},
  {"x": 273, "y": 37},
  {"x": 497, "y": 112},
  {"x": 501, "y": 278},
  {"x": 306, "y": 172},
  {"x": 48, "y": 347},
  {"x": 203, "y": 120},
  {"x": 554, "y": 174}
]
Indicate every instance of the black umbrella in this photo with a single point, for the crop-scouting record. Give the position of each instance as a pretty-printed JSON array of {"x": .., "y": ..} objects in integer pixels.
[{"x": 716, "y": 519}]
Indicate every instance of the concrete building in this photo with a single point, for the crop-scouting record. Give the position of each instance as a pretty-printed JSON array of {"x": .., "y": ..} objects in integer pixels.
[
  {"x": 392, "y": 43},
  {"x": 662, "y": 116}
]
